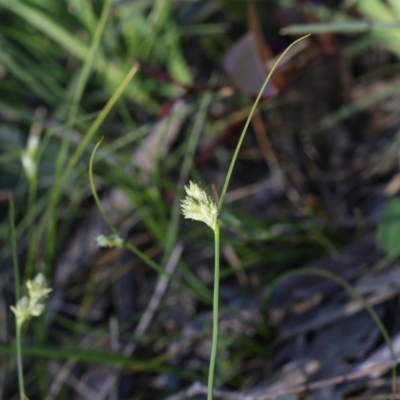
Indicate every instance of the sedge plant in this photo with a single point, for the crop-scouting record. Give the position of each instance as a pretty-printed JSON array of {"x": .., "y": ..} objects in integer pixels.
[
  {"x": 26, "y": 307},
  {"x": 197, "y": 205}
]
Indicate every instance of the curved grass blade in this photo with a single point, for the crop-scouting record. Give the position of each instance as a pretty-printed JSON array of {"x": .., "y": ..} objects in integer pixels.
[{"x": 246, "y": 126}]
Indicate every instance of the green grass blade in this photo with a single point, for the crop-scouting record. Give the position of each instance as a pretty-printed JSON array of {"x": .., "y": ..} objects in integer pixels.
[
  {"x": 50, "y": 242},
  {"x": 353, "y": 27},
  {"x": 17, "y": 284},
  {"x": 96, "y": 357},
  {"x": 48, "y": 26}
]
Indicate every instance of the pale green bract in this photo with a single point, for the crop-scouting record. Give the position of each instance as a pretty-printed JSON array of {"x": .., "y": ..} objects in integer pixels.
[
  {"x": 37, "y": 288},
  {"x": 197, "y": 205}
]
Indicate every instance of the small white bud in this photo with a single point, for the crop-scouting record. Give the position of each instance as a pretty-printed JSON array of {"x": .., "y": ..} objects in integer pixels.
[
  {"x": 110, "y": 241},
  {"x": 28, "y": 156},
  {"x": 21, "y": 310}
]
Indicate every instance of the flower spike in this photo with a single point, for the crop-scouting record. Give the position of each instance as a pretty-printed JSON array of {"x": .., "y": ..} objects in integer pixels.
[
  {"x": 33, "y": 304},
  {"x": 197, "y": 205}
]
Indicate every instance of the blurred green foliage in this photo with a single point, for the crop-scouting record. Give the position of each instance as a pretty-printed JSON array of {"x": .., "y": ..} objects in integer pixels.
[{"x": 388, "y": 231}]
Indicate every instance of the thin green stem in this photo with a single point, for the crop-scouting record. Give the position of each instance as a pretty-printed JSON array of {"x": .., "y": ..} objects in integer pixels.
[
  {"x": 32, "y": 192},
  {"x": 21, "y": 384},
  {"x": 14, "y": 249},
  {"x": 246, "y": 126},
  {"x": 17, "y": 296},
  {"x": 214, "y": 347}
]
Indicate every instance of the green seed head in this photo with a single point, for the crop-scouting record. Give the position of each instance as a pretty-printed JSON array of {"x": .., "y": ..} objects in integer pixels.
[{"x": 197, "y": 205}]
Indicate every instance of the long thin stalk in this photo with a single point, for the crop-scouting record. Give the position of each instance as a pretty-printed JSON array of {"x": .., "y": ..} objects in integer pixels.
[
  {"x": 32, "y": 192},
  {"x": 14, "y": 249},
  {"x": 17, "y": 296},
  {"x": 246, "y": 126},
  {"x": 21, "y": 384},
  {"x": 214, "y": 345}
]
